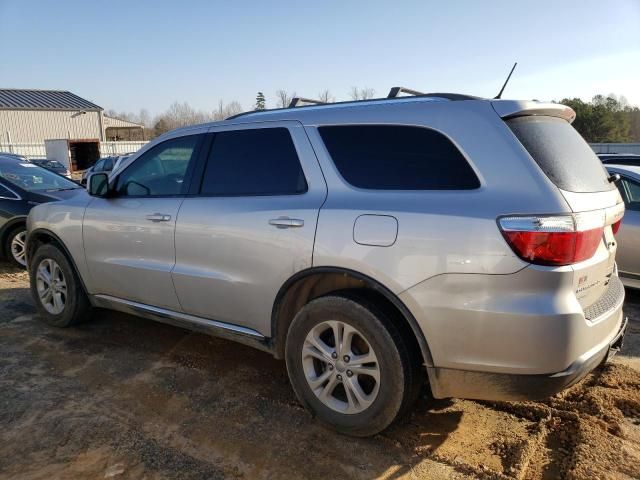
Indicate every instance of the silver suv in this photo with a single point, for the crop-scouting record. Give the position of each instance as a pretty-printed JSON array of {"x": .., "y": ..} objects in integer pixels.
[{"x": 372, "y": 245}]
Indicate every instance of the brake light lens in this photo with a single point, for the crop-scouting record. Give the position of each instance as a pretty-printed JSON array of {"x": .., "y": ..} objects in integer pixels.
[
  {"x": 616, "y": 226},
  {"x": 554, "y": 240}
]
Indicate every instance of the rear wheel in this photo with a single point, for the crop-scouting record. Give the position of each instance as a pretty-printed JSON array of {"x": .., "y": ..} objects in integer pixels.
[
  {"x": 56, "y": 288},
  {"x": 349, "y": 365},
  {"x": 15, "y": 246}
]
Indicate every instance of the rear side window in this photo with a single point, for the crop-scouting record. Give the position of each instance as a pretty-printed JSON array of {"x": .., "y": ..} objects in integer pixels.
[
  {"x": 391, "y": 157},
  {"x": 253, "y": 162},
  {"x": 561, "y": 153},
  {"x": 6, "y": 193}
]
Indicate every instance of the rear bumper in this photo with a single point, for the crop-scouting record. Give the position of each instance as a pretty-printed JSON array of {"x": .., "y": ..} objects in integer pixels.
[
  {"x": 447, "y": 382},
  {"x": 513, "y": 337}
]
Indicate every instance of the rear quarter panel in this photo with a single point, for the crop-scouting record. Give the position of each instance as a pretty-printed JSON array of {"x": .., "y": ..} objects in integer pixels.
[{"x": 438, "y": 231}]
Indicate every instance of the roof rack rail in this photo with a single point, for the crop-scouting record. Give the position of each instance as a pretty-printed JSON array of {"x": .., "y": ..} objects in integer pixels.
[
  {"x": 296, "y": 100},
  {"x": 396, "y": 91}
]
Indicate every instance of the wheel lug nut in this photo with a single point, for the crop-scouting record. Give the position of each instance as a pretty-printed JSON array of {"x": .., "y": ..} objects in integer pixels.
[
  {"x": 339, "y": 377},
  {"x": 349, "y": 373},
  {"x": 346, "y": 358},
  {"x": 334, "y": 355},
  {"x": 330, "y": 367}
]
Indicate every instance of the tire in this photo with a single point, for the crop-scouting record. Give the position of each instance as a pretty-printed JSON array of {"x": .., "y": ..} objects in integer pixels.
[
  {"x": 14, "y": 243},
  {"x": 342, "y": 409},
  {"x": 74, "y": 306}
]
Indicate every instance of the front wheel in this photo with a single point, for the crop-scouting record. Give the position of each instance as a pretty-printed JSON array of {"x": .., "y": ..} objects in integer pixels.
[
  {"x": 56, "y": 288},
  {"x": 349, "y": 365},
  {"x": 15, "y": 246}
]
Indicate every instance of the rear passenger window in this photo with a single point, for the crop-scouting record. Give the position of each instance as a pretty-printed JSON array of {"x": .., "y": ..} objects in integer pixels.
[
  {"x": 253, "y": 162},
  {"x": 6, "y": 193},
  {"x": 389, "y": 157}
]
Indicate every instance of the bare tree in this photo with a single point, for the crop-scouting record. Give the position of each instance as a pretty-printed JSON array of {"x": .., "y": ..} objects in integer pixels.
[
  {"x": 361, "y": 93},
  {"x": 144, "y": 118},
  {"x": 182, "y": 114},
  {"x": 326, "y": 97},
  {"x": 225, "y": 111},
  {"x": 284, "y": 98}
]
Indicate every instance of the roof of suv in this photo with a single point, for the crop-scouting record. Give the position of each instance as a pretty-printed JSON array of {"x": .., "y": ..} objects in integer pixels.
[{"x": 318, "y": 112}]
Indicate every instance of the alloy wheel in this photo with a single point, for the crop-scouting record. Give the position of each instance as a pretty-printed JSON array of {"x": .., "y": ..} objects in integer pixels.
[
  {"x": 52, "y": 286},
  {"x": 341, "y": 367},
  {"x": 18, "y": 248}
]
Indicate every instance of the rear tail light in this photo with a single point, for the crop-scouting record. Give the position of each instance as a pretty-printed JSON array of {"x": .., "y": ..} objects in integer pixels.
[
  {"x": 616, "y": 226},
  {"x": 554, "y": 240}
]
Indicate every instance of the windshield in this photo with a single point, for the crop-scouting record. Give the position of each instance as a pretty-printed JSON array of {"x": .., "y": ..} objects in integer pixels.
[{"x": 33, "y": 178}]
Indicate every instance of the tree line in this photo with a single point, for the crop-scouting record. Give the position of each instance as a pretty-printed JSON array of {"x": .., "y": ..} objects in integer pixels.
[
  {"x": 606, "y": 119},
  {"x": 602, "y": 119}
]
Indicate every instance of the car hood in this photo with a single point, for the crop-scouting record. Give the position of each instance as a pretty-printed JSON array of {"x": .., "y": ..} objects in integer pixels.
[{"x": 53, "y": 195}]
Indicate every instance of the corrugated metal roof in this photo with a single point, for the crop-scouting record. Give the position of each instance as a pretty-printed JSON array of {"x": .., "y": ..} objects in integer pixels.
[
  {"x": 110, "y": 122},
  {"x": 11, "y": 99}
]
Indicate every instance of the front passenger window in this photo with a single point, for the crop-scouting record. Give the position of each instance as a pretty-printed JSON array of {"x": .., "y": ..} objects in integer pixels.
[{"x": 160, "y": 171}]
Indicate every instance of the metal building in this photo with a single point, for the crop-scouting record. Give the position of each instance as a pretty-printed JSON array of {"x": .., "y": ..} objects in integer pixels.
[{"x": 30, "y": 117}]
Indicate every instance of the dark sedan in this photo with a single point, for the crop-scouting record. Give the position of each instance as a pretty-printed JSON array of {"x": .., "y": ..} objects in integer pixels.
[
  {"x": 52, "y": 165},
  {"x": 23, "y": 185}
]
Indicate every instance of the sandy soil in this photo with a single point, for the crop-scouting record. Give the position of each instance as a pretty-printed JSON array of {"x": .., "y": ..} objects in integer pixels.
[{"x": 121, "y": 397}]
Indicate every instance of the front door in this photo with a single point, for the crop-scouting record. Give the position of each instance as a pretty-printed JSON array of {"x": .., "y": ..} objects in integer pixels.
[
  {"x": 250, "y": 225},
  {"x": 129, "y": 237}
]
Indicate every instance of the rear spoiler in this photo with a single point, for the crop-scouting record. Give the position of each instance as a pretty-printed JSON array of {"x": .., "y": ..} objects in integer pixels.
[{"x": 520, "y": 108}]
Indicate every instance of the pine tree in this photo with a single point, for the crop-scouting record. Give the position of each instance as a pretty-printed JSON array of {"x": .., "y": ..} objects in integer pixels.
[{"x": 260, "y": 101}]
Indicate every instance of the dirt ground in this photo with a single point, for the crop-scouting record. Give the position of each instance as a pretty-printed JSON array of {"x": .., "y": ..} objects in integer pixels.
[{"x": 122, "y": 397}]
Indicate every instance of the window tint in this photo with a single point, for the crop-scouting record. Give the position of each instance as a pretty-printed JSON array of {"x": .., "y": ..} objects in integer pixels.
[
  {"x": 161, "y": 170},
  {"x": 108, "y": 164},
  {"x": 97, "y": 167},
  {"x": 385, "y": 157},
  {"x": 630, "y": 191},
  {"x": 253, "y": 162},
  {"x": 6, "y": 193},
  {"x": 561, "y": 153}
]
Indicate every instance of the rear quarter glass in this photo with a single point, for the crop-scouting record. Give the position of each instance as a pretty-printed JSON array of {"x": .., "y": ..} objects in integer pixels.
[{"x": 561, "y": 153}]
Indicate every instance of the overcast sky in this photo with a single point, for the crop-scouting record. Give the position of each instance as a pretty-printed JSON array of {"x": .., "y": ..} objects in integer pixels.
[{"x": 128, "y": 55}]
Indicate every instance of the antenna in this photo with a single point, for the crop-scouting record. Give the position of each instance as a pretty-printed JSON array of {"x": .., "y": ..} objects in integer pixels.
[{"x": 497, "y": 97}]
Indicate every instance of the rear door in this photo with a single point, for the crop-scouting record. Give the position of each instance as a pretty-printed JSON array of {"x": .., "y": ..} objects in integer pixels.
[
  {"x": 129, "y": 238},
  {"x": 249, "y": 224}
]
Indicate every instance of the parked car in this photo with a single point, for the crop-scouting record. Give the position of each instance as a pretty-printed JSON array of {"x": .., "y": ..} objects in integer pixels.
[
  {"x": 23, "y": 185},
  {"x": 372, "y": 245},
  {"x": 106, "y": 164},
  {"x": 628, "y": 238},
  {"x": 53, "y": 166},
  {"x": 13, "y": 156},
  {"x": 620, "y": 159}
]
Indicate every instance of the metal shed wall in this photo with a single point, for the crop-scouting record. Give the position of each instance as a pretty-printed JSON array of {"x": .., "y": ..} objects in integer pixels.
[{"x": 24, "y": 126}]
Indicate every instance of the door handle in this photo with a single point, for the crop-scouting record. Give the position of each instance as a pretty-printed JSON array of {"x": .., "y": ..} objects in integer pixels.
[
  {"x": 159, "y": 217},
  {"x": 286, "y": 222}
]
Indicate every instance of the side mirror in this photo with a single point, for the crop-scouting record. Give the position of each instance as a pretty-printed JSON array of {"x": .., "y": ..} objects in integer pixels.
[{"x": 98, "y": 184}]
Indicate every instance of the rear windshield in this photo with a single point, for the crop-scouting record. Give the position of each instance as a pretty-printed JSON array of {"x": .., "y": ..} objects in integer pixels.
[{"x": 561, "y": 153}]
